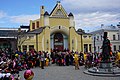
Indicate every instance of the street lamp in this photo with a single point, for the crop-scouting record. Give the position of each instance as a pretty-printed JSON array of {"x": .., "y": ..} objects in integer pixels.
[
  {"x": 94, "y": 44},
  {"x": 119, "y": 30}
]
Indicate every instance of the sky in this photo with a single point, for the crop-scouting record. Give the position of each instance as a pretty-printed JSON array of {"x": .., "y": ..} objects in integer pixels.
[{"x": 88, "y": 14}]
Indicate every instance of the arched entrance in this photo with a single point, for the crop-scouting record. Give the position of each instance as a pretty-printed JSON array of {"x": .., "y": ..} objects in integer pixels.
[
  {"x": 58, "y": 41},
  {"x": 59, "y": 38}
]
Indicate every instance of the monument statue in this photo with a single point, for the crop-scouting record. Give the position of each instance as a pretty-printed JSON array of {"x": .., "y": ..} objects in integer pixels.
[
  {"x": 105, "y": 67},
  {"x": 106, "y": 49}
]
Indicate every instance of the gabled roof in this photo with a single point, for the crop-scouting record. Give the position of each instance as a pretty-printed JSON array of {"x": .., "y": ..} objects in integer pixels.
[
  {"x": 46, "y": 13},
  {"x": 53, "y": 9},
  {"x": 70, "y": 14},
  {"x": 24, "y": 26},
  {"x": 8, "y": 33},
  {"x": 36, "y": 31},
  {"x": 58, "y": 7},
  {"x": 104, "y": 30}
]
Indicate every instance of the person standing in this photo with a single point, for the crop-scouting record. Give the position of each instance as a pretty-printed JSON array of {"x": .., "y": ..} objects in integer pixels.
[
  {"x": 118, "y": 58},
  {"x": 76, "y": 60},
  {"x": 67, "y": 59},
  {"x": 42, "y": 58}
]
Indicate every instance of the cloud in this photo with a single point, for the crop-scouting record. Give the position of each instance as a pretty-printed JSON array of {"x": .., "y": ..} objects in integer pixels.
[
  {"x": 90, "y": 14},
  {"x": 81, "y": 6},
  {"x": 16, "y": 20},
  {"x": 2, "y": 14},
  {"x": 23, "y": 19},
  {"x": 20, "y": 19},
  {"x": 93, "y": 21}
]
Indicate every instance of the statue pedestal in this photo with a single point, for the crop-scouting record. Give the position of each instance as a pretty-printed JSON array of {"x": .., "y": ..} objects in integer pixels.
[
  {"x": 104, "y": 69},
  {"x": 106, "y": 66}
]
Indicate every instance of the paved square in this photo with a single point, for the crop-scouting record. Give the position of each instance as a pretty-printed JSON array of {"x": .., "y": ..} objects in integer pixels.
[{"x": 64, "y": 73}]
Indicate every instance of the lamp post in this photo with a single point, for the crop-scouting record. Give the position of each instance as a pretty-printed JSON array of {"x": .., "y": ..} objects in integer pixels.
[
  {"x": 119, "y": 30},
  {"x": 94, "y": 44},
  {"x": 119, "y": 33}
]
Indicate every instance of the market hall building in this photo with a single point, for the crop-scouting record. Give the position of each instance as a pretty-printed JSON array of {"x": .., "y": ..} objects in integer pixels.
[
  {"x": 55, "y": 30},
  {"x": 8, "y": 38}
]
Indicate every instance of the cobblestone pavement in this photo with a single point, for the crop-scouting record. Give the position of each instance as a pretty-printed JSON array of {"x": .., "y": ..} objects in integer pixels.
[{"x": 64, "y": 73}]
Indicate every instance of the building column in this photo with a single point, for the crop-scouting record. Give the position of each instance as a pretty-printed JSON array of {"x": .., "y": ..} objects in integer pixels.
[
  {"x": 82, "y": 43},
  {"x": 47, "y": 39},
  {"x": 37, "y": 42}
]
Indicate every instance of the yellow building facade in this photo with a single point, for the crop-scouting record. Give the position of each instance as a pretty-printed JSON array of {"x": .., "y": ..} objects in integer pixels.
[{"x": 54, "y": 31}]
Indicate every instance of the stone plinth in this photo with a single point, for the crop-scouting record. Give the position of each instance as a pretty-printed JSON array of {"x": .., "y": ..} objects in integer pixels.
[
  {"x": 104, "y": 69},
  {"x": 107, "y": 66}
]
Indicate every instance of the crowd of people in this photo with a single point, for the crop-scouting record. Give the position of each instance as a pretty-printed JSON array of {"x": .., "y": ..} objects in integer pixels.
[
  {"x": 14, "y": 61},
  {"x": 88, "y": 59},
  {"x": 11, "y": 62}
]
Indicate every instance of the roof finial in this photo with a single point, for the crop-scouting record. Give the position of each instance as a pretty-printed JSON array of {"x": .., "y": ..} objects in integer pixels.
[{"x": 58, "y": 1}]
